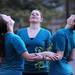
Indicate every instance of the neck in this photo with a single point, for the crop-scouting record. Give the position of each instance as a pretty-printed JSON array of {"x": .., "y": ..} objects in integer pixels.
[
  {"x": 10, "y": 31},
  {"x": 68, "y": 26},
  {"x": 34, "y": 26}
]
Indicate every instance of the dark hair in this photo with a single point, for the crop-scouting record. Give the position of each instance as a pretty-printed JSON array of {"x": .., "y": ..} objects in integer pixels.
[{"x": 3, "y": 30}]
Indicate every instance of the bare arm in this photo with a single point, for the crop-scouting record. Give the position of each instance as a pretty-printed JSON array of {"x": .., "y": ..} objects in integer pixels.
[
  {"x": 32, "y": 56},
  {"x": 72, "y": 55},
  {"x": 59, "y": 55},
  {"x": 47, "y": 55}
]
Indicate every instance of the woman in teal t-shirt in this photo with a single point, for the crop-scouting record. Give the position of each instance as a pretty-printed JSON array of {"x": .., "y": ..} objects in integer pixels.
[
  {"x": 63, "y": 45},
  {"x": 37, "y": 39},
  {"x": 12, "y": 49}
]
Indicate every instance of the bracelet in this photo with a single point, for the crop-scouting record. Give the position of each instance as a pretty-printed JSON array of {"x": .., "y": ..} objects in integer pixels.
[{"x": 44, "y": 58}]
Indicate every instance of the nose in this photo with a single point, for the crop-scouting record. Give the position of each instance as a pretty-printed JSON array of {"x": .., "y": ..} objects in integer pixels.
[{"x": 33, "y": 14}]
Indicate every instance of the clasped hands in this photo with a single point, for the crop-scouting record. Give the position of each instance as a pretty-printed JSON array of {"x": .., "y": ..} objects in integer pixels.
[{"x": 47, "y": 55}]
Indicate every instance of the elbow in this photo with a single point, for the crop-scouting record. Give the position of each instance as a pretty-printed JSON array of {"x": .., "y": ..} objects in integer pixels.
[
  {"x": 27, "y": 56},
  {"x": 29, "y": 59}
]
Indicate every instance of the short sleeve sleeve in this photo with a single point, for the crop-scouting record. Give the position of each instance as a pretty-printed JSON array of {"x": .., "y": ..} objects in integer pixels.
[
  {"x": 19, "y": 45},
  {"x": 59, "y": 41}
]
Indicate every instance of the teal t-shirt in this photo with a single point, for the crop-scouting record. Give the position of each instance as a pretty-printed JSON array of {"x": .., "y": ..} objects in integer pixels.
[
  {"x": 62, "y": 40},
  {"x": 34, "y": 45},
  {"x": 14, "y": 47}
]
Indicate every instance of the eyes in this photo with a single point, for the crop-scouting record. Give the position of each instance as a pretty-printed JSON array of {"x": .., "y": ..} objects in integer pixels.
[{"x": 35, "y": 14}]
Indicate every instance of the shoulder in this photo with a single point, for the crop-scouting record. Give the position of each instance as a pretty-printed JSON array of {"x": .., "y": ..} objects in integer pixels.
[
  {"x": 16, "y": 40},
  {"x": 15, "y": 37},
  {"x": 60, "y": 32},
  {"x": 46, "y": 31}
]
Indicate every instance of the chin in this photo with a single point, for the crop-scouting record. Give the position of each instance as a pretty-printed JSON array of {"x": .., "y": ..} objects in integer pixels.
[{"x": 33, "y": 21}]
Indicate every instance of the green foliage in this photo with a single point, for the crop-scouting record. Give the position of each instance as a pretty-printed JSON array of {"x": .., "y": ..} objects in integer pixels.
[{"x": 21, "y": 9}]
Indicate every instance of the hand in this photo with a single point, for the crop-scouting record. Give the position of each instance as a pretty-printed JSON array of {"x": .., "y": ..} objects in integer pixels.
[
  {"x": 50, "y": 56},
  {"x": 38, "y": 57},
  {"x": 53, "y": 58}
]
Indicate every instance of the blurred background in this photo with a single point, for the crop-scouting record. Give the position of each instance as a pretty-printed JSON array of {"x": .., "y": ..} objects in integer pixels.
[{"x": 54, "y": 12}]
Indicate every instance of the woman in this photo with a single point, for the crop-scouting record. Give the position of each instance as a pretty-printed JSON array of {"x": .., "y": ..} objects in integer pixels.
[
  {"x": 63, "y": 45},
  {"x": 37, "y": 39},
  {"x": 12, "y": 49}
]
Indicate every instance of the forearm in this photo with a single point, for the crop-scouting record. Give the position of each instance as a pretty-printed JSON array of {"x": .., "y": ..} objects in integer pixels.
[
  {"x": 50, "y": 56},
  {"x": 71, "y": 56},
  {"x": 32, "y": 56}
]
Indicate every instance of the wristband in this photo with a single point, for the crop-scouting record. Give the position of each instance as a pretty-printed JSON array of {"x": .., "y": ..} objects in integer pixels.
[{"x": 44, "y": 58}]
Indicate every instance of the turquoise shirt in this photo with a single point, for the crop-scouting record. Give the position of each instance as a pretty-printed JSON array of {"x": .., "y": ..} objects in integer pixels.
[
  {"x": 38, "y": 44},
  {"x": 14, "y": 47},
  {"x": 63, "y": 40}
]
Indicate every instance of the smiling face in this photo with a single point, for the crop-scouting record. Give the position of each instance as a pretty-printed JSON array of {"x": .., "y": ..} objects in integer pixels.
[{"x": 35, "y": 17}]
